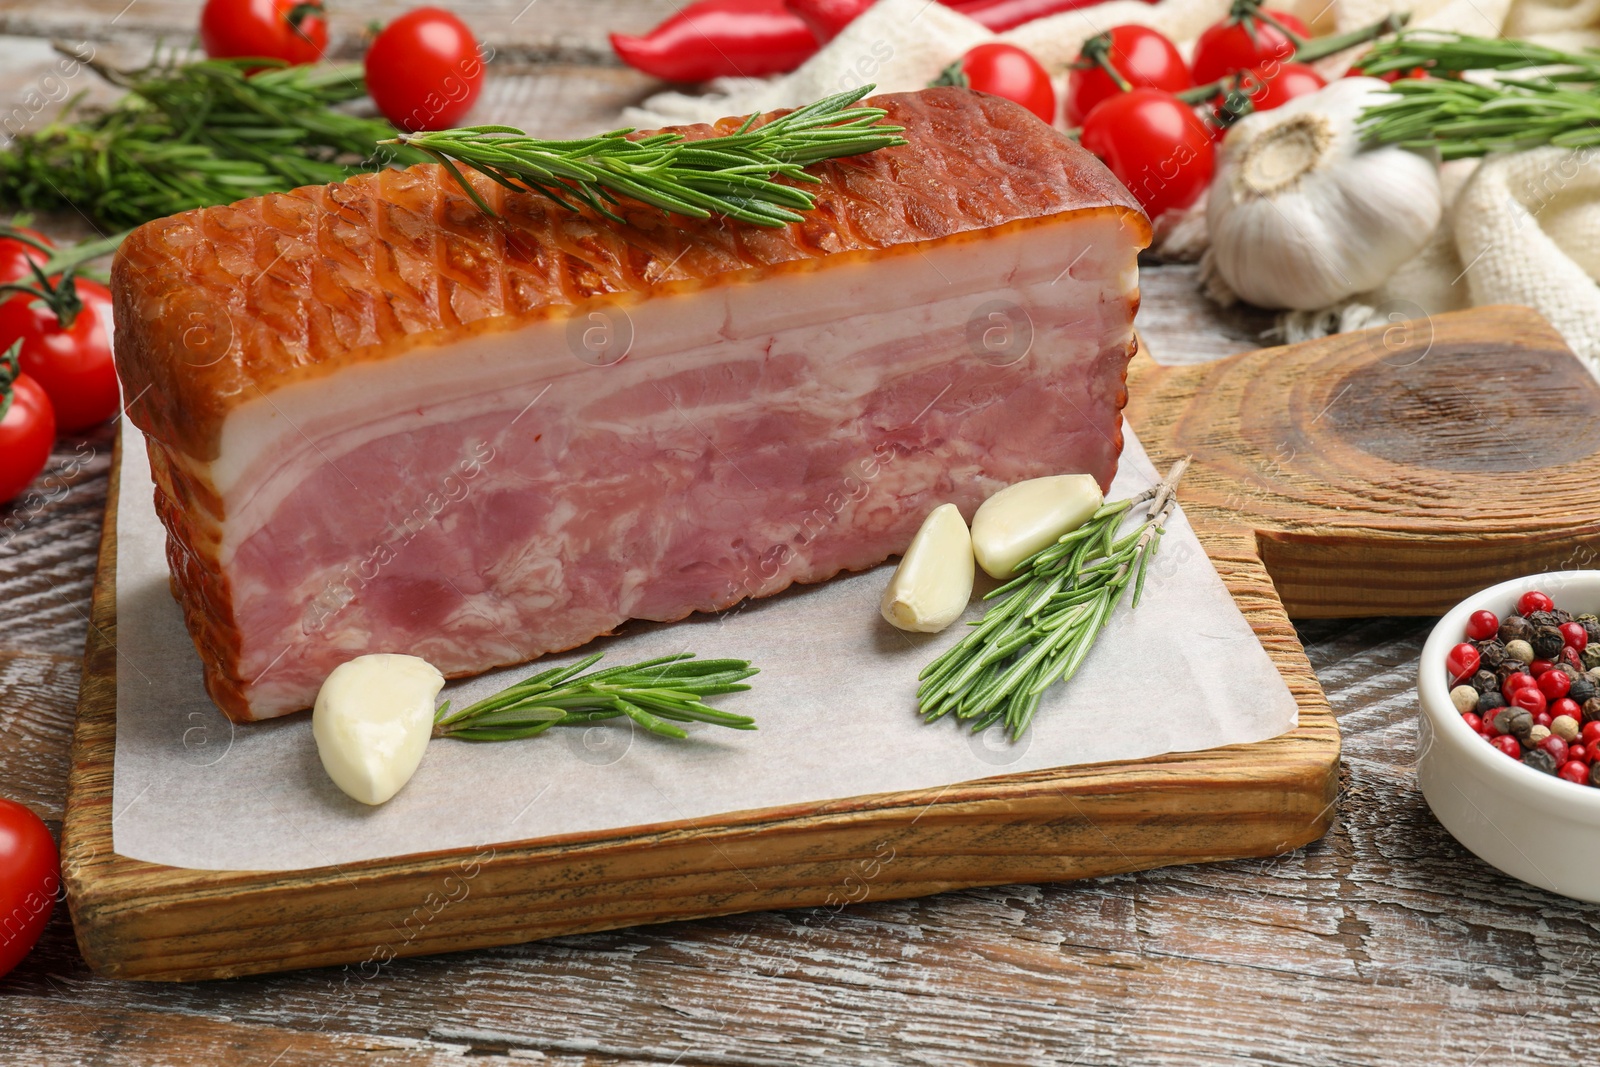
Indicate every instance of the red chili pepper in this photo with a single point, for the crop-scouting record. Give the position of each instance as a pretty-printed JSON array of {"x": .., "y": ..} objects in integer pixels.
[
  {"x": 1001, "y": 15},
  {"x": 714, "y": 38},
  {"x": 827, "y": 17}
]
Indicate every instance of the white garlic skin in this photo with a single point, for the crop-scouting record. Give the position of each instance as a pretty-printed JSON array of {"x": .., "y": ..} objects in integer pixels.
[
  {"x": 933, "y": 583},
  {"x": 372, "y": 721},
  {"x": 1021, "y": 519},
  {"x": 1302, "y": 216}
]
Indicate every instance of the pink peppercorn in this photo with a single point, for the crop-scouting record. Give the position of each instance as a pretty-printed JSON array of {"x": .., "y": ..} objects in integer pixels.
[
  {"x": 1575, "y": 635},
  {"x": 1508, "y": 744},
  {"x": 1574, "y": 772}
]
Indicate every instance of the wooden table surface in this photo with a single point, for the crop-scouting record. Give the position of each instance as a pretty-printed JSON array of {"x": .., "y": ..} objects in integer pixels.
[{"x": 1384, "y": 943}]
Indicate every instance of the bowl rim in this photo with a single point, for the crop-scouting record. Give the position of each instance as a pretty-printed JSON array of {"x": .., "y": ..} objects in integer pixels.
[{"x": 1547, "y": 790}]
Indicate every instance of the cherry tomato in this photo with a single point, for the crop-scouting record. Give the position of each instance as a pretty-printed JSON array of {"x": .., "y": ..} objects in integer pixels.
[
  {"x": 27, "y": 432},
  {"x": 1006, "y": 70},
  {"x": 1144, "y": 58},
  {"x": 424, "y": 70},
  {"x": 30, "y": 875},
  {"x": 1236, "y": 44},
  {"x": 73, "y": 366},
  {"x": 290, "y": 30},
  {"x": 1280, "y": 83},
  {"x": 1155, "y": 144},
  {"x": 15, "y": 255}
]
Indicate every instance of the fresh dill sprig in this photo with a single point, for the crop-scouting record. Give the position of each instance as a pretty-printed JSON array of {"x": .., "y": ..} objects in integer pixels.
[
  {"x": 194, "y": 134},
  {"x": 1558, "y": 105},
  {"x": 654, "y": 694},
  {"x": 730, "y": 175},
  {"x": 1049, "y": 616}
]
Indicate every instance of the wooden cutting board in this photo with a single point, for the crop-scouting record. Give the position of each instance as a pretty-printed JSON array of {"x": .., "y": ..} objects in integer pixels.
[{"x": 1388, "y": 472}]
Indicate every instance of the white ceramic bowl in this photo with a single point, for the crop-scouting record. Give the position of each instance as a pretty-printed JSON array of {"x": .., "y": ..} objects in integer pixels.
[{"x": 1531, "y": 825}]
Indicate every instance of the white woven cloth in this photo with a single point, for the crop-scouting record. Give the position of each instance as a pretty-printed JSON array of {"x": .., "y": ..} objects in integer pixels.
[{"x": 1519, "y": 229}]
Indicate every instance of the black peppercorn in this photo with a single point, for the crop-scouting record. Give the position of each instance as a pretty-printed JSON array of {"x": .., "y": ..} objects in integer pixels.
[
  {"x": 1572, "y": 673},
  {"x": 1594, "y": 773},
  {"x": 1591, "y": 709},
  {"x": 1563, "y": 616},
  {"x": 1539, "y": 760},
  {"x": 1514, "y": 721},
  {"x": 1515, "y": 628},
  {"x": 1491, "y": 654},
  {"x": 1490, "y": 701},
  {"x": 1544, "y": 618},
  {"x": 1507, "y": 669},
  {"x": 1547, "y": 642},
  {"x": 1582, "y": 690},
  {"x": 1592, "y": 628},
  {"x": 1485, "y": 682}
]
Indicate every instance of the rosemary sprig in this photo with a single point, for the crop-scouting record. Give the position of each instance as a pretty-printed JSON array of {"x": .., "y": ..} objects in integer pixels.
[
  {"x": 655, "y": 694},
  {"x": 192, "y": 135},
  {"x": 731, "y": 175},
  {"x": 1467, "y": 118},
  {"x": 1049, "y": 616}
]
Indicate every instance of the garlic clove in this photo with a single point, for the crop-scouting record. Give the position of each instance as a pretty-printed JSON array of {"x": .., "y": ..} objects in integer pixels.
[
  {"x": 933, "y": 583},
  {"x": 1021, "y": 519},
  {"x": 372, "y": 721}
]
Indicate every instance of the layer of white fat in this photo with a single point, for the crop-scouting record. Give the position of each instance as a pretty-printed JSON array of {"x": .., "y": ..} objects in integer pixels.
[{"x": 843, "y": 304}]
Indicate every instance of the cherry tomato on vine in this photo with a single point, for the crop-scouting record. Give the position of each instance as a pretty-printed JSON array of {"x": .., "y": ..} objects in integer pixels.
[
  {"x": 1242, "y": 41},
  {"x": 1155, "y": 144},
  {"x": 30, "y": 875},
  {"x": 1280, "y": 84},
  {"x": 15, "y": 255},
  {"x": 291, "y": 30},
  {"x": 1005, "y": 70},
  {"x": 27, "y": 432},
  {"x": 1143, "y": 57},
  {"x": 424, "y": 70},
  {"x": 73, "y": 366}
]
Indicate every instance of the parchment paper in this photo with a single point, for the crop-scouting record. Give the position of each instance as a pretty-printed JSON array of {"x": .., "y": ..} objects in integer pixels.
[{"x": 835, "y": 705}]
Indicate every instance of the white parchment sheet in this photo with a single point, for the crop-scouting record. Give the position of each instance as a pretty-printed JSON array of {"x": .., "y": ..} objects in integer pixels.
[{"x": 835, "y": 704}]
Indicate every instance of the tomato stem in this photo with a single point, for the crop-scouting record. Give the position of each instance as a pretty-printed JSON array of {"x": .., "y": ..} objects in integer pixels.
[
  {"x": 53, "y": 280},
  {"x": 299, "y": 13},
  {"x": 10, "y": 367},
  {"x": 1097, "y": 51},
  {"x": 952, "y": 75},
  {"x": 1314, "y": 49}
]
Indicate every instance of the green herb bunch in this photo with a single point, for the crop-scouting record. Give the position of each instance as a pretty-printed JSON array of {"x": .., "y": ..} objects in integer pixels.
[
  {"x": 194, "y": 134},
  {"x": 655, "y": 694},
  {"x": 1558, "y": 105},
  {"x": 731, "y": 175},
  {"x": 1049, "y": 616}
]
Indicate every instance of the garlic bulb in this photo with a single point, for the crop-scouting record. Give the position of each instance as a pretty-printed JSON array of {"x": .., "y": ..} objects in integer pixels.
[
  {"x": 1022, "y": 518},
  {"x": 931, "y": 587},
  {"x": 1303, "y": 216},
  {"x": 372, "y": 721}
]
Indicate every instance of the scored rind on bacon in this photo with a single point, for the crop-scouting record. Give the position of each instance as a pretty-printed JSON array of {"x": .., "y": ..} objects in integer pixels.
[{"x": 380, "y": 420}]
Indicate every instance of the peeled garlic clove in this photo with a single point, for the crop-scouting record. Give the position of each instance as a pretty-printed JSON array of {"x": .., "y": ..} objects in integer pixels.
[
  {"x": 933, "y": 584},
  {"x": 1021, "y": 519},
  {"x": 372, "y": 722}
]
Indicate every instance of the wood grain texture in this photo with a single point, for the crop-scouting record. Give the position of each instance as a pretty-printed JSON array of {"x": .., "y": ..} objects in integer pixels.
[{"x": 1374, "y": 470}]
